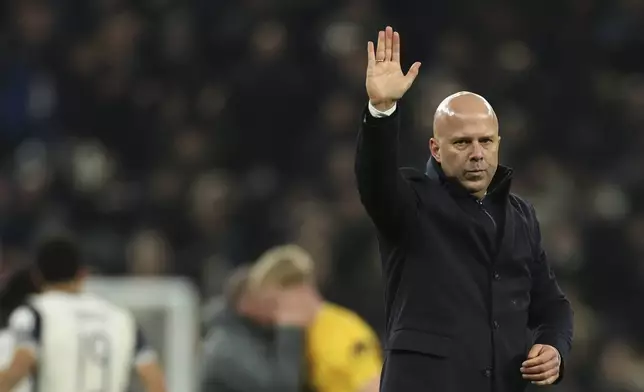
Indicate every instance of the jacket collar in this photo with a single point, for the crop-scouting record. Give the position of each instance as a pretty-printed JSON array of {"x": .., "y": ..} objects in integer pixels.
[{"x": 499, "y": 187}]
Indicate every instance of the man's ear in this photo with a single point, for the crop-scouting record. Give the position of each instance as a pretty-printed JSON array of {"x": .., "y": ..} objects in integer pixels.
[{"x": 434, "y": 148}]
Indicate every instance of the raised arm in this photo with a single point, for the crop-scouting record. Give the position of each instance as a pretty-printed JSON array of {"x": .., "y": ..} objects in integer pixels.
[{"x": 384, "y": 193}]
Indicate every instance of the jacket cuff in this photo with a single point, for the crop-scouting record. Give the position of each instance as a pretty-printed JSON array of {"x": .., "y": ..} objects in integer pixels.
[{"x": 369, "y": 121}]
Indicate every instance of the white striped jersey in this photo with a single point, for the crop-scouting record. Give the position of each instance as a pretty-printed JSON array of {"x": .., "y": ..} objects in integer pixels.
[
  {"x": 7, "y": 348},
  {"x": 82, "y": 343}
]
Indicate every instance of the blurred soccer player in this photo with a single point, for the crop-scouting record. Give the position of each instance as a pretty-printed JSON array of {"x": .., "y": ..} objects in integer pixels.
[
  {"x": 343, "y": 352},
  {"x": 17, "y": 287},
  {"x": 74, "y": 341}
]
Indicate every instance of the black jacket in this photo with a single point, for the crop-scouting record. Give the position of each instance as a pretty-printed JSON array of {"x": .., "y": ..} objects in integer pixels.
[{"x": 468, "y": 287}]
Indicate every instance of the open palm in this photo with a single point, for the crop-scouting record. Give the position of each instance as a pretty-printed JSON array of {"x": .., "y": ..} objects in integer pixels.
[{"x": 386, "y": 83}]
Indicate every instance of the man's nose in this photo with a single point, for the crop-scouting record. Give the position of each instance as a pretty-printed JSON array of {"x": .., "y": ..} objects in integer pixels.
[{"x": 477, "y": 152}]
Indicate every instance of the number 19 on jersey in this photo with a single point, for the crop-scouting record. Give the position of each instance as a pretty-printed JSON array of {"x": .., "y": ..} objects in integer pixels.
[{"x": 94, "y": 362}]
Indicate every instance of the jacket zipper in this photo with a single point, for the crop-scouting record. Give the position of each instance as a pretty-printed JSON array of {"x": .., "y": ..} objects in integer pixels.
[{"x": 482, "y": 206}]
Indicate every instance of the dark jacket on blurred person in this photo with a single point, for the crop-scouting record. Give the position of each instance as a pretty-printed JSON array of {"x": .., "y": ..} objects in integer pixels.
[
  {"x": 468, "y": 286},
  {"x": 242, "y": 356}
]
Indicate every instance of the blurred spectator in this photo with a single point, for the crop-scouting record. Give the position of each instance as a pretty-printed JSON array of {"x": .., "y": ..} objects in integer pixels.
[
  {"x": 256, "y": 340},
  {"x": 343, "y": 354}
]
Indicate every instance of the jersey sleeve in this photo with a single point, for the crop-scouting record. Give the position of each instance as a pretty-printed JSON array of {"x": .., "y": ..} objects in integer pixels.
[
  {"x": 25, "y": 326},
  {"x": 363, "y": 355},
  {"x": 350, "y": 360},
  {"x": 143, "y": 352}
]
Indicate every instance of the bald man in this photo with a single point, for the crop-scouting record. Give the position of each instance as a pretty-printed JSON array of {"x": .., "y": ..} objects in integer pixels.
[{"x": 471, "y": 302}]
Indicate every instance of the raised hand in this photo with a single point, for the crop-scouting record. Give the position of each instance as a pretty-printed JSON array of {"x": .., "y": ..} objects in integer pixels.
[{"x": 386, "y": 82}]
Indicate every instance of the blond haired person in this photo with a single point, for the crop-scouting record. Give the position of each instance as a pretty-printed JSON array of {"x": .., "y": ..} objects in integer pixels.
[
  {"x": 254, "y": 345},
  {"x": 343, "y": 353}
]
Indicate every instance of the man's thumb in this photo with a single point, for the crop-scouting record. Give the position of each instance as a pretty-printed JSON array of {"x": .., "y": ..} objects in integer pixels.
[
  {"x": 413, "y": 72},
  {"x": 535, "y": 350}
]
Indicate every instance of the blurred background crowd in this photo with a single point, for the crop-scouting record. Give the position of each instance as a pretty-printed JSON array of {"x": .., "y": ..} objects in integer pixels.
[{"x": 185, "y": 137}]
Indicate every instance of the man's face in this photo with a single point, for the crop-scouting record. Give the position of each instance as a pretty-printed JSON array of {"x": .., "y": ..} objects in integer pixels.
[{"x": 469, "y": 153}]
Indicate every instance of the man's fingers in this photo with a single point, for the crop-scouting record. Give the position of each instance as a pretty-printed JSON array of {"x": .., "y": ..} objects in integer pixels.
[
  {"x": 543, "y": 378},
  {"x": 552, "y": 364},
  {"x": 389, "y": 43},
  {"x": 535, "y": 351},
  {"x": 396, "y": 42},
  {"x": 549, "y": 381},
  {"x": 539, "y": 360},
  {"x": 380, "y": 48},
  {"x": 542, "y": 369},
  {"x": 371, "y": 55}
]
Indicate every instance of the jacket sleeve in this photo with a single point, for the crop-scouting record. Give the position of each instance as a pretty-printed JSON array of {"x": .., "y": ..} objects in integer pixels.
[
  {"x": 234, "y": 363},
  {"x": 550, "y": 314},
  {"x": 387, "y": 197}
]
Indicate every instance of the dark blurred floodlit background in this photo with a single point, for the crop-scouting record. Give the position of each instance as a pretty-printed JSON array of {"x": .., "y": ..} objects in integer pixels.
[{"x": 183, "y": 138}]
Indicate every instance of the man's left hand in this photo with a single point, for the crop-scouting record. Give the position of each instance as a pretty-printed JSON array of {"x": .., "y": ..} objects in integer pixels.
[{"x": 542, "y": 365}]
